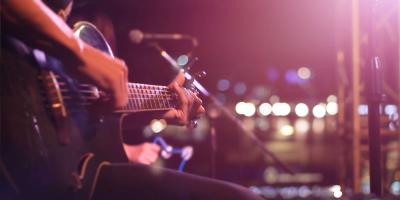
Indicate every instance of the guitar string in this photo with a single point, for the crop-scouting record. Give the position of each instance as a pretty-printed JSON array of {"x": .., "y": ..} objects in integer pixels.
[
  {"x": 143, "y": 96},
  {"x": 131, "y": 85}
]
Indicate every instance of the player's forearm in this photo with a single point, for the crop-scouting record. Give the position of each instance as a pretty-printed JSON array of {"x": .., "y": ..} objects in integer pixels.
[{"x": 35, "y": 23}]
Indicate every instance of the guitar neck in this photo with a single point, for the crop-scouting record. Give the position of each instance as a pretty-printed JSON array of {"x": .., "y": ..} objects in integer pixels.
[
  {"x": 141, "y": 97},
  {"x": 144, "y": 97}
]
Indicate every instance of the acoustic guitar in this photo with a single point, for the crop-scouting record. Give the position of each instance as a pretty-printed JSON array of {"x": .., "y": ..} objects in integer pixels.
[{"x": 67, "y": 137}]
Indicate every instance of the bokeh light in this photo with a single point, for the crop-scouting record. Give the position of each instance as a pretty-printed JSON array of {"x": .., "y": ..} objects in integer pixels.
[
  {"x": 363, "y": 109},
  {"x": 250, "y": 109},
  {"x": 390, "y": 109},
  {"x": 272, "y": 74},
  {"x": 292, "y": 78},
  {"x": 158, "y": 125},
  {"x": 223, "y": 85},
  {"x": 260, "y": 92},
  {"x": 182, "y": 60},
  {"x": 265, "y": 109},
  {"x": 286, "y": 130},
  {"x": 318, "y": 126},
  {"x": 301, "y": 110},
  {"x": 319, "y": 110},
  {"x": 221, "y": 97},
  {"x": 331, "y": 98},
  {"x": 240, "y": 107},
  {"x": 244, "y": 108},
  {"x": 280, "y": 109},
  {"x": 332, "y": 108},
  {"x": 249, "y": 123},
  {"x": 395, "y": 188},
  {"x": 304, "y": 73},
  {"x": 302, "y": 126},
  {"x": 304, "y": 191},
  {"x": 240, "y": 88},
  {"x": 262, "y": 124},
  {"x": 281, "y": 121},
  {"x": 336, "y": 191}
]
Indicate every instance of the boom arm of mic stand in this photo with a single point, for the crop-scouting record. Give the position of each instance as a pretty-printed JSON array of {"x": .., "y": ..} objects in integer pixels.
[{"x": 224, "y": 110}]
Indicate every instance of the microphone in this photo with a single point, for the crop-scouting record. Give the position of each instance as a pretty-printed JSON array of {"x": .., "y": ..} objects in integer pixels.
[{"x": 137, "y": 36}]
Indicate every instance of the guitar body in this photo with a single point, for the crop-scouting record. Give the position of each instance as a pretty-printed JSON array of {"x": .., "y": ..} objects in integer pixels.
[{"x": 49, "y": 150}]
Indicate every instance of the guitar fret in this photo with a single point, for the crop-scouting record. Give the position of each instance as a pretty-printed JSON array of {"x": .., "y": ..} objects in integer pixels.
[
  {"x": 130, "y": 103},
  {"x": 143, "y": 97},
  {"x": 151, "y": 93},
  {"x": 153, "y": 103}
]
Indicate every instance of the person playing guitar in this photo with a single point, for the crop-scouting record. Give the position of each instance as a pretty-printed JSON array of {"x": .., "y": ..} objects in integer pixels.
[{"x": 35, "y": 164}]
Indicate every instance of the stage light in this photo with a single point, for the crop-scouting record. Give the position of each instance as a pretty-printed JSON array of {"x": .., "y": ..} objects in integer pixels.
[
  {"x": 332, "y": 108},
  {"x": 336, "y": 191},
  {"x": 304, "y": 191},
  {"x": 319, "y": 110},
  {"x": 280, "y": 122},
  {"x": 301, "y": 126},
  {"x": 390, "y": 109},
  {"x": 337, "y": 194},
  {"x": 363, "y": 109},
  {"x": 285, "y": 109},
  {"x": 395, "y": 188},
  {"x": 240, "y": 108},
  {"x": 158, "y": 125},
  {"x": 281, "y": 109},
  {"x": 255, "y": 190},
  {"x": 265, "y": 109},
  {"x": 275, "y": 109},
  {"x": 240, "y": 88},
  {"x": 301, "y": 109},
  {"x": 317, "y": 191},
  {"x": 286, "y": 130},
  {"x": 318, "y": 126},
  {"x": 223, "y": 85},
  {"x": 182, "y": 60},
  {"x": 288, "y": 192},
  {"x": 331, "y": 98},
  {"x": 269, "y": 192},
  {"x": 250, "y": 109},
  {"x": 304, "y": 73},
  {"x": 247, "y": 109}
]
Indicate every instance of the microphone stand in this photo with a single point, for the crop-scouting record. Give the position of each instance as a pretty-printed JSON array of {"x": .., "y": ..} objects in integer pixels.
[
  {"x": 375, "y": 98},
  {"x": 232, "y": 117},
  {"x": 374, "y": 133}
]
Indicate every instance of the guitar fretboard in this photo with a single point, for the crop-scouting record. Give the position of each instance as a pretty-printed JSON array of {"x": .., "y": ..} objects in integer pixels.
[{"x": 144, "y": 97}]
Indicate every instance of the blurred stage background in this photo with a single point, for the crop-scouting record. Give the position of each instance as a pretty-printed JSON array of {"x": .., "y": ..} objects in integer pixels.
[{"x": 294, "y": 72}]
